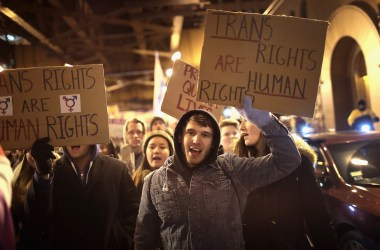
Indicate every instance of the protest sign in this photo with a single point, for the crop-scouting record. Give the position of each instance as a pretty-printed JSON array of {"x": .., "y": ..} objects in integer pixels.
[
  {"x": 67, "y": 104},
  {"x": 180, "y": 95},
  {"x": 274, "y": 59}
]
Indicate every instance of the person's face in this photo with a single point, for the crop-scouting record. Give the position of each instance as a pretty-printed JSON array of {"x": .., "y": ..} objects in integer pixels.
[
  {"x": 196, "y": 143},
  {"x": 158, "y": 125},
  {"x": 229, "y": 135},
  {"x": 135, "y": 134},
  {"x": 157, "y": 151},
  {"x": 103, "y": 149},
  {"x": 250, "y": 133},
  {"x": 78, "y": 152}
]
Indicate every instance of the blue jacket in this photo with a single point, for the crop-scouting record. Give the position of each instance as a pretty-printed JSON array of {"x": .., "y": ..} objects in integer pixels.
[{"x": 207, "y": 213}]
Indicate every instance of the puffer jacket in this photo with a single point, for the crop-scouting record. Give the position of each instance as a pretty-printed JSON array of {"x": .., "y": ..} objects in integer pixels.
[{"x": 206, "y": 213}]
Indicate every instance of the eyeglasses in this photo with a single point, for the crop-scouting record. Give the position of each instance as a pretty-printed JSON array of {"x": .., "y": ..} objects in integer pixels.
[{"x": 133, "y": 132}]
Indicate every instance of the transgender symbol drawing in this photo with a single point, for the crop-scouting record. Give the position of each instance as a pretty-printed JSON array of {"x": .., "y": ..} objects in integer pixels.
[
  {"x": 70, "y": 102},
  {"x": 6, "y": 106}
]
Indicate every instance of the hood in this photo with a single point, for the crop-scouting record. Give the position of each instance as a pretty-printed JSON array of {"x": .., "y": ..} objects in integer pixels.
[
  {"x": 178, "y": 134},
  {"x": 93, "y": 148},
  {"x": 304, "y": 148},
  {"x": 125, "y": 133}
]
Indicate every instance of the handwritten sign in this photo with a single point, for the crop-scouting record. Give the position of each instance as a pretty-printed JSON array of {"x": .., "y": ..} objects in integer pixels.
[
  {"x": 180, "y": 95},
  {"x": 274, "y": 59},
  {"x": 67, "y": 104}
]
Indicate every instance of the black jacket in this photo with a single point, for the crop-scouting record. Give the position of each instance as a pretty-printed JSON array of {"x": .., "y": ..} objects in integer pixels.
[
  {"x": 279, "y": 216},
  {"x": 101, "y": 215}
]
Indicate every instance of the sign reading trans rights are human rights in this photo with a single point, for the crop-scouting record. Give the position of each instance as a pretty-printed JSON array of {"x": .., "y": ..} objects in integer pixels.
[
  {"x": 274, "y": 59},
  {"x": 67, "y": 104}
]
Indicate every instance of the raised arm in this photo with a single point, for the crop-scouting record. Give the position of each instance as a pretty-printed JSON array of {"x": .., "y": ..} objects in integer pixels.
[
  {"x": 255, "y": 172},
  {"x": 39, "y": 197}
]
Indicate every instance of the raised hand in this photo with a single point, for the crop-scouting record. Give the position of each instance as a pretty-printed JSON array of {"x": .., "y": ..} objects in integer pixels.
[{"x": 256, "y": 116}]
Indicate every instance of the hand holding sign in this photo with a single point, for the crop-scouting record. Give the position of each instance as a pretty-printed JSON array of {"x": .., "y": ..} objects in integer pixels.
[
  {"x": 42, "y": 154},
  {"x": 256, "y": 116}
]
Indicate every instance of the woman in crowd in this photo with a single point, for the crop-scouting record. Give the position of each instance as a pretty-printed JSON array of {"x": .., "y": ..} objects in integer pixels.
[
  {"x": 290, "y": 213},
  {"x": 109, "y": 149},
  {"x": 158, "y": 146}
]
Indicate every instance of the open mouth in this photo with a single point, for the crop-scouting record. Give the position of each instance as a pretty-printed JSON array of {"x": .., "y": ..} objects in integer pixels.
[
  {"x": 195, "y": 151},
  {"x": 156, "y": 158}
]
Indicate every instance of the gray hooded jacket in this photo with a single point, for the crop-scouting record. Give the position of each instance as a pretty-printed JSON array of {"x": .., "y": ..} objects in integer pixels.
[{"x": 207, "y": 212}]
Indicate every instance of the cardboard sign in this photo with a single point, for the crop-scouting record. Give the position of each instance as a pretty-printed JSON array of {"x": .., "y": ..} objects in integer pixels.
[
  {"x": 180, "y": 95},
  {"x": 274, "y": 59},
  {"x": 67, "y": 104}
]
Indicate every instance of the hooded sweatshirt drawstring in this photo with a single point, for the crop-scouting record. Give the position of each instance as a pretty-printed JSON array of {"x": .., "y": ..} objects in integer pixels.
[
  {"x": 83, "y": 176},
  {"x": 165, "y": 187}
]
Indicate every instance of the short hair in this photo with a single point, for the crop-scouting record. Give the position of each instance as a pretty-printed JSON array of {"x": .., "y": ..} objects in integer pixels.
[
  {"x": 135, "y": 120},
  {"x": 361, "y": 102},
  {"x": 201, "y": 119},
  {"x": 229, "y": 122},
  {"x": 157, "y": 118}
]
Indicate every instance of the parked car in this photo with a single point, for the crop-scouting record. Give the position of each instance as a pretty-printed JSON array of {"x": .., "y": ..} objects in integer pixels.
[{"x": 348, "y": 171}]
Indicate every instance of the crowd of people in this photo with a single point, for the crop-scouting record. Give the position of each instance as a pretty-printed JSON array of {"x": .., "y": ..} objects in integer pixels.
[{"x": 229, "y": 184}]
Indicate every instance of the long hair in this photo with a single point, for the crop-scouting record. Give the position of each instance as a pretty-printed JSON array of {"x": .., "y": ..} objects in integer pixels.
[
  {"x": 144, "y": 168},
  {"x": 22, "y": 178},
  {"x": 261, "y": 148}
]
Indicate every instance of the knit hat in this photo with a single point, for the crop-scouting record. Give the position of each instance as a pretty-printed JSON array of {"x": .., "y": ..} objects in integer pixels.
[
  {"x": 164, "y": 135},
  {"x": 156, "y": 118}
]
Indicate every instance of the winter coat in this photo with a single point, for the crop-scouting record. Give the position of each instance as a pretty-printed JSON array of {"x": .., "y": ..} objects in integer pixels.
[
  {"x": 280, "y": 215},
  {"x": 7, "y": 240},
  {"x": 201, "y": 207},
  {"x": 99, "y": 215}
]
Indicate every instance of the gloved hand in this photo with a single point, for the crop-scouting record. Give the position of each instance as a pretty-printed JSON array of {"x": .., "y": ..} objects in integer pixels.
[
  {"x": 256, "y": 116},
  {"x": 376, "y": 119},
  {"x": 42, "y": 154}
]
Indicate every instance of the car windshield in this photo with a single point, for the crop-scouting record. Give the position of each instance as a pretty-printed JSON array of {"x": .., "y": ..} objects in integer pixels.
[{"x": 358, "y": 162}]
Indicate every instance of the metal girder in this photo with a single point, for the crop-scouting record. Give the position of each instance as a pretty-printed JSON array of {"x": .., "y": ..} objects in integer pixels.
[{"x": 29, "y": 28}]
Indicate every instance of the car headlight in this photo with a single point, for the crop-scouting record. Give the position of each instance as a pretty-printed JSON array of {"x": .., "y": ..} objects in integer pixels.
[
  {"x": 365, "y": 128},
  {"x": 307, "y": 130}
]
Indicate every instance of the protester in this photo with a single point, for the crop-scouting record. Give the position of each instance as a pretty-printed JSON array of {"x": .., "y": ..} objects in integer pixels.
[
  {"x": 131, "y": 153},
  {"x": 229, "y": 130},
  {"x": 88, "y": 200},
  {"x": 289, "y": 213},
  {"x": 26, "y": 236},
  {"x": 196, "y": 200},
  {"x": 158, "y": 146},
  {"x": 14, "y": 157},
  {"x": 158, "y": 123},
  {"x": 7, "y": 240},
  {"x": 362, "y": 116},
  {"x": 108, "y": 149}
]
